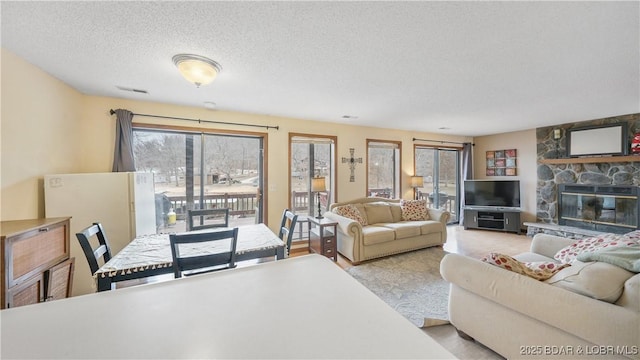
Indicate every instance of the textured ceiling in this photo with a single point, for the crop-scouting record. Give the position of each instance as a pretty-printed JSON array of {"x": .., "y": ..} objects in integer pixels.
[{"x": 473, "y": 68}]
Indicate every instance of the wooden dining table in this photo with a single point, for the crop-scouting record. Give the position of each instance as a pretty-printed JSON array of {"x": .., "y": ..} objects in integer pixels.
[{"x": 150, "y": 255}]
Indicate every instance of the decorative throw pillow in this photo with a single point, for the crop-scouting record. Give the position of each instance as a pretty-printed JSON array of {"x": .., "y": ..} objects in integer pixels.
[
  {"x": 396, "y": 211},
  {"x": 351, "y": 212},
  {"x": 413, "y": 210},
  {"x": 539, "y": 270},
  {"x": 378, "y": 212},
  {"x": 568, "y": 254}
]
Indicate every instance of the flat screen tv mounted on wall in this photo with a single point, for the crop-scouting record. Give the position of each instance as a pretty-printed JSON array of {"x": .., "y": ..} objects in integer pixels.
[
  {"x": 492, "y": 193},
  {"x": 598, "y": 140}
]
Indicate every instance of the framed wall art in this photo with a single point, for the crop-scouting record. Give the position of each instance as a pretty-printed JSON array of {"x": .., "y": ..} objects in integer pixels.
[{"x": 502, "y": 162}]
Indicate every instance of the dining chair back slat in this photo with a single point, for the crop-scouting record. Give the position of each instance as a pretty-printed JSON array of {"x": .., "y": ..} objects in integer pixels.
[
  {"x": 101, "y": 253},
  {"x": 207, "y": 219},
  {"x": 190, "y": 264},
  {"x": 287, "y": 226}
]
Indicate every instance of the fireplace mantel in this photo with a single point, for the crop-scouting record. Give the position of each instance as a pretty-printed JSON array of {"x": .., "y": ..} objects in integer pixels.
[{"x": 592, "y": 160}]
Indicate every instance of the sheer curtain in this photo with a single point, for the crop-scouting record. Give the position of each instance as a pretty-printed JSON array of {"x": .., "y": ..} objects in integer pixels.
[
  {"x": 466, "y": 173},
  {"x": 123, "y": 152}
]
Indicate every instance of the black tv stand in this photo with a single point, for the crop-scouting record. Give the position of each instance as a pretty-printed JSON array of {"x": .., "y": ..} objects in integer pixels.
[{"x": 499, "y": 219}]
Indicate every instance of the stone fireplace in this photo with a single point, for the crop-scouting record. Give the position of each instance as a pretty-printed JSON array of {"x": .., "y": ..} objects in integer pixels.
[
  {"x": 603, "y": 208},
  {"x": 556, "y": 172}
]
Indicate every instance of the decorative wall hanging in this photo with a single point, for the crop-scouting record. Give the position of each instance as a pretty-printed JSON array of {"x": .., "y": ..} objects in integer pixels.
[
  {"x": 352, "y": 164},
  {"x": 502, "y": 162}
]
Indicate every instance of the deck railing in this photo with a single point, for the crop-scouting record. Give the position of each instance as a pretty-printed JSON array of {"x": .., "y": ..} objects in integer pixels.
[
  {"x": 242, "y": 204},
  {"x": 445, "y": 202},
  {"x": 300, "y": 201}
]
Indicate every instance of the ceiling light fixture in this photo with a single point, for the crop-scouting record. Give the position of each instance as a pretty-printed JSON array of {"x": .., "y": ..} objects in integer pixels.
[{"x": 197, "y": 69}]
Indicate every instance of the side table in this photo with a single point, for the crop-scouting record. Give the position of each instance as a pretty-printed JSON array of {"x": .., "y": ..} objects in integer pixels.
[{"x": 322, "y": 237}]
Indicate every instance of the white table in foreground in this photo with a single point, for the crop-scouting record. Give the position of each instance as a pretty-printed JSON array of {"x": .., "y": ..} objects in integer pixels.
[
  {"x": 304, "y": 307},
  {"x": 150, "y": 255}
]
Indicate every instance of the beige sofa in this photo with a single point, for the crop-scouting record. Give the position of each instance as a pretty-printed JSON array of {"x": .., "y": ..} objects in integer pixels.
[
  {"x": 589, "y": 310},
  {"x": 386, "y": 232}
]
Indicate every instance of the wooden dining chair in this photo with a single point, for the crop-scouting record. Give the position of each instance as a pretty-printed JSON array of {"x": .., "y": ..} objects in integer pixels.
[
  {"x": 207, "y": 219},
  {"x": 190, "y": 256},
  {"x": 287, "y": 226},
  {"x": 101, "y": 253}
]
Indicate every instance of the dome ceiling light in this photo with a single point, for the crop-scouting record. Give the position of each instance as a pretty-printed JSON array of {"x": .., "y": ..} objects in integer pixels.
[{"x": 197, "y": 69}]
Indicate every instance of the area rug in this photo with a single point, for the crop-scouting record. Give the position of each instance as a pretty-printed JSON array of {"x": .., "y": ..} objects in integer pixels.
[{"x": 410, "y": 283}]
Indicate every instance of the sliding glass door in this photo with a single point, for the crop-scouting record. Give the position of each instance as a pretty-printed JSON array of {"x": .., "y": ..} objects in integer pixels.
[
  {"x": 311, "y": 156},
  {"x": 439, "y": 168},
  {"x": 202, "y": 171}
]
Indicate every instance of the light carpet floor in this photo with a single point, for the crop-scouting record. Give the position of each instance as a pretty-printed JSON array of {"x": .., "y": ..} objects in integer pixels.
[{"x": 410, "y": 283}]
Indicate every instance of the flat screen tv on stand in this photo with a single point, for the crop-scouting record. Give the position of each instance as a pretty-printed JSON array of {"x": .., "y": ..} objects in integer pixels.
[
  {"x": 492, "y": 194},
  {"x": 492, "y": 205}
]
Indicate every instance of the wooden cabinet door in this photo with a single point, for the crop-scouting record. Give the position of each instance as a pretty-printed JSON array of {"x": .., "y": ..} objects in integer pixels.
[
  {"x": 29, "y": 292},
  {"x": 58, "y": 280},
  {"x": 35, "y": 250}
]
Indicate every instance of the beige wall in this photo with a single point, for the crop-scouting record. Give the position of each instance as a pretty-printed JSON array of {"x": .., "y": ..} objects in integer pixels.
[
  {"x": 41, "y": 130},
  {"x": 525, "y": 143},
  {"x": 47, "y": 127}
]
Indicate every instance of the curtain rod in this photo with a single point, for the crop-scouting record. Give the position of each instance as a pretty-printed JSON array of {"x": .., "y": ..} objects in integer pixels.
[
  {"x": 443, "y": 142},
  {"x": 202, "y": 121}
]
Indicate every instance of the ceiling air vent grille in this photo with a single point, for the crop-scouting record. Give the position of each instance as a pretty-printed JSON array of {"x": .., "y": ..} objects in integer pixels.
[{"x": 123, "y": 88}]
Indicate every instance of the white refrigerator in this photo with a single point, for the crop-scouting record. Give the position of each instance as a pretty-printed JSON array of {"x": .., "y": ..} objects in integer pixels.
[{"x": 123, "y": 202}]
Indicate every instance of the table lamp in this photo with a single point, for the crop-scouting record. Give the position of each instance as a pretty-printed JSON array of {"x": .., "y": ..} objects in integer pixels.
[
  {"x": 416, "y": 182},
  {"x": 317, "y": 186}
]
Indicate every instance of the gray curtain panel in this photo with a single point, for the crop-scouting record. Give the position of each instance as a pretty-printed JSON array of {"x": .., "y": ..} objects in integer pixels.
[
  {"x": 467, "y": 174},
  {"x": 123, "y": 153}
]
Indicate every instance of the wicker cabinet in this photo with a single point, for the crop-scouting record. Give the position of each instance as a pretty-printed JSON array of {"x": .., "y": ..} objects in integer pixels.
[{"x": 35, "y": 260}]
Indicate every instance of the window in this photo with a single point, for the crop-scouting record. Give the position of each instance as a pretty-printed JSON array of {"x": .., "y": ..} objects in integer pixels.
[
  {"x": 310, "y": 156},
  {"x": 439, "y": 168},
  {"x": 383, "y": 168},
  {"x": 198, "y": 170}
]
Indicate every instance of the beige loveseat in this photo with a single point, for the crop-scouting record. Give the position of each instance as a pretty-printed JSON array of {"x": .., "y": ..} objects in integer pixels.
[
  {"x": 385, "y": 233},
  {"x": 589, "y": 310}
]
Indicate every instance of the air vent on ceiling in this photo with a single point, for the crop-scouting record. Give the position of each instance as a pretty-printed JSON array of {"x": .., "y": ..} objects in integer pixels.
[{"x": 132, "y": 90}]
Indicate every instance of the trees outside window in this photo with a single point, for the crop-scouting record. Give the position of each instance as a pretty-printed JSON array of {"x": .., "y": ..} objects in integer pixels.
[
  {"x": 310, "y": 156},
  {"x": 199, "y": 170},
  {"x": 440, "y": 170},
  {"x": 383, "y": 168}
]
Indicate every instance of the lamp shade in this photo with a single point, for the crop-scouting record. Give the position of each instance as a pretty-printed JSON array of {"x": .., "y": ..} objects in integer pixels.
[
  {"x": 197, "y": 69},
  {"x": 417, "y": 181},
  {"x": 318, "y": 184}
]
